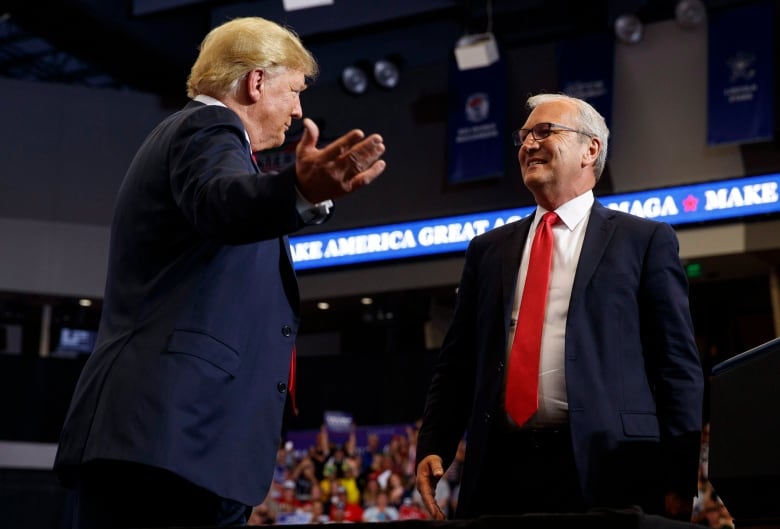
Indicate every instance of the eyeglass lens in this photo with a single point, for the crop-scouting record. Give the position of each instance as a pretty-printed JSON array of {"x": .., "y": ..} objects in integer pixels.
[{"x": 539, "y": 131}]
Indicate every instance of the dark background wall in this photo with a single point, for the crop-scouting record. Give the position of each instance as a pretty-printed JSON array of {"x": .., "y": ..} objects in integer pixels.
[{"x": 64, "y": 149}]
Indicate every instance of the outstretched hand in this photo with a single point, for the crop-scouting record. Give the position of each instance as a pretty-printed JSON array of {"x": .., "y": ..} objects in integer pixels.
[
  {"x": 429, "y": 472},
  {"x": 346, "y": 164}
]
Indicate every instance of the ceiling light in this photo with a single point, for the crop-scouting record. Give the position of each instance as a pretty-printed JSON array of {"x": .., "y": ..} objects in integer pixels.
[
  {"x": 354, "y": 79},
  {"x": 386, "y": 73},
  {"x": 323, "y": 305},
  {"x": 476, "y": 51},
  {"x": 690, "y": 14},
  {"x": 366, "y": 301},
  {"x": 84, "y": 302},
  {"x": 628, "y": 29}
]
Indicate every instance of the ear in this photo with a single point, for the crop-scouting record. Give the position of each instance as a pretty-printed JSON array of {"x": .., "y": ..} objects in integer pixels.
[
  {"x": 592, "y": 152},
  {"x": 254, "y": 83}
]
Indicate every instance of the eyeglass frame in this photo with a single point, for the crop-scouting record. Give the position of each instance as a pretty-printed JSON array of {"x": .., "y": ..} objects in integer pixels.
[{"x": 518, "y": 142}]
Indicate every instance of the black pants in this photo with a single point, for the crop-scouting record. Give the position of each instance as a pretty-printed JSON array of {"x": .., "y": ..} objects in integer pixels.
[
  {"x": 114, "y": 495},
  {"x": 529, "y": 472}
]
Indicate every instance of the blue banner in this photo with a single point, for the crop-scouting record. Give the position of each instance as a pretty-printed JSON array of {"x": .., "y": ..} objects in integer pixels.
[
  {"x": 303, "y": 440},
  {"x": 689, "y": 204},
  {"x": 741, "y": 83},
  {"x": 476, "y": 133},
  {"x": 338, "y": 421},
  {"x": 582, "y": 77}
]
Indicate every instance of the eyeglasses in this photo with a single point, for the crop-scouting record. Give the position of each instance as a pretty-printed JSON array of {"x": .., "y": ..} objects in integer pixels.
[{"x": 541, "y": 131}]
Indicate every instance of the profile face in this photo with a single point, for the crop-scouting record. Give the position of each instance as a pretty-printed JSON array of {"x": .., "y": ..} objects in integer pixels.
[{"x": 279, "y": 105}]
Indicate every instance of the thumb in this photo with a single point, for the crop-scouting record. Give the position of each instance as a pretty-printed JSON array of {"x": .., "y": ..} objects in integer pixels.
[
  {"x": 311, "y": 134},
  {"x": 436, "y": 469}
]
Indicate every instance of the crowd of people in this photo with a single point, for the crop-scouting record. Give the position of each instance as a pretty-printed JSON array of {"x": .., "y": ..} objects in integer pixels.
[
  {"x": 330, "y": 482},
  {"x": 343, "y": 482},
  {"x": 709, "y": 509}
]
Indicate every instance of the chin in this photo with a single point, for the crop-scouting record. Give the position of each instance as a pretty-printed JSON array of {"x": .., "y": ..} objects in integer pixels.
[{"x": 266, "y": 145}]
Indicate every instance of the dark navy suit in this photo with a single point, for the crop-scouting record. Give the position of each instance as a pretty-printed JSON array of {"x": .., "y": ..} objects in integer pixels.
[
  {"x": 200, "y": 314},
  {"x": 633, "y": 378}
]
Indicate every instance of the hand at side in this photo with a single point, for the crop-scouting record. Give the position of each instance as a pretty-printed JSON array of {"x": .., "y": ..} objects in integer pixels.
[{"x": 429, "y": 472}]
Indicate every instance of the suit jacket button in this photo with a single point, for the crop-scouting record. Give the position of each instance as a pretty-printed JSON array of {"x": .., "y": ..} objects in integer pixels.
[
  {"x": 500, "y": 366},
  {"x": 281, "y": 387},
  {"x": 486, "y": 417},
  {"x": 286, "y": 331}
]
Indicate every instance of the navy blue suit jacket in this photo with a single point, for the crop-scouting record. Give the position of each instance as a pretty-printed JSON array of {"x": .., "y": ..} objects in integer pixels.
[
  {"x": 633, "y": 377},
  {"x": 201, "y": 310}
]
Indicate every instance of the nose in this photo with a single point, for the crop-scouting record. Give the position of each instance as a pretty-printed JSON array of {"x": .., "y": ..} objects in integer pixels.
[
  {"x": 530, "y": 143},
  {"x": 297, "y": 111}
]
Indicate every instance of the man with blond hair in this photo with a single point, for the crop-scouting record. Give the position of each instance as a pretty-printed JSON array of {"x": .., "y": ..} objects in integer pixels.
[{"x": 177, "y": 415}]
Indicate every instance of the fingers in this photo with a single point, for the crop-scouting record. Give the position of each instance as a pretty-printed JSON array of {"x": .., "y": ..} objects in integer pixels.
[
  {"x": 366, "y": 177},
  {"x": 361, "y": 152},
  {"x": 311, "y": 134},
  {"x": 369, "y": 149},
  {"x": 343, "y": 143},
  {"x": 429, "y": 471},
  {"x": 364, "y": 163},
  {"x": 366, "y": 152}
]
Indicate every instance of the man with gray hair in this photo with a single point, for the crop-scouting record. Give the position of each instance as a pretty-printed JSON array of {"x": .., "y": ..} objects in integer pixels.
[{"x": 570, "y": 363}]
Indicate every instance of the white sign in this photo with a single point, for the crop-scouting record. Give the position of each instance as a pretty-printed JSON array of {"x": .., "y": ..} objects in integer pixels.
[{"x": 292, "y": 5}]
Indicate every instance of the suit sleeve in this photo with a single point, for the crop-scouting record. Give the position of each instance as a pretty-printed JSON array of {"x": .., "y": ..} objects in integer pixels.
[
  {"x": 448, "y": 403},
  {"x": 668, "y": 333},
  {"x": 218, "y": 189}
]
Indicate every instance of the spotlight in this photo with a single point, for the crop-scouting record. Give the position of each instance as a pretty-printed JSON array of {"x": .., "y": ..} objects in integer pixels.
[
  {"x": 690, "y": 14},
  {"x": 628, "y": 29},
  {"x": 386, "y": 73},
  {"x": 354, "y": 79}
]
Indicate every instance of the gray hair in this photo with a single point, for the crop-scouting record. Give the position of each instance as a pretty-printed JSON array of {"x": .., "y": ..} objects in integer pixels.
[{"x": 590, "y": 121}]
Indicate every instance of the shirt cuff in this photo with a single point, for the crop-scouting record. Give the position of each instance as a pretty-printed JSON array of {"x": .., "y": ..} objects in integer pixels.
[{"x": 313, "y": 213}]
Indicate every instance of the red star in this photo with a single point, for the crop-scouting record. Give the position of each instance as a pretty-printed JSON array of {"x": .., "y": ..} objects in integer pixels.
[{"x": 689, "y": 203}]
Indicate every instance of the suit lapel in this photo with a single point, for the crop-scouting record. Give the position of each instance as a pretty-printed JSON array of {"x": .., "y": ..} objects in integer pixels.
[
  {"x": 511, "y": 255},
  {"x": 597, "y": 235}
]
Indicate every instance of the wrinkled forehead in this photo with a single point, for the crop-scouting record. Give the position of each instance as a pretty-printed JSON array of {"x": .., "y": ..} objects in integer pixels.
[
  {"x": 294, "y": 78},
  {"x": 559, "y": 111}
]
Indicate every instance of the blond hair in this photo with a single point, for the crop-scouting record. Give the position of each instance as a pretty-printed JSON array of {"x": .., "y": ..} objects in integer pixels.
[{"x": 236, "y": 47}]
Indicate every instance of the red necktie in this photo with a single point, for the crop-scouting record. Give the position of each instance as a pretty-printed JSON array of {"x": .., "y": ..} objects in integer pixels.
[
  {"x": 291, "y": 382},
  {"x": 522, "y": 383}
]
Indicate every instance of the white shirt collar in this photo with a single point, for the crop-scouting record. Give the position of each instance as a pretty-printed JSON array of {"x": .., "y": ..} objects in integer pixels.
[
  {"x": 572, "y": 212},
  {"x": 208, "y": 100}
]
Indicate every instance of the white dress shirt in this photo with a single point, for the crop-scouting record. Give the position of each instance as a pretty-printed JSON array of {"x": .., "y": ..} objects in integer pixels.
[{"x": 568, "y": 233}]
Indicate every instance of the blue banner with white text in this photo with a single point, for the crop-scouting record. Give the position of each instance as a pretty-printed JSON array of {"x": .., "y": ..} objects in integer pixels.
[
  {"x": 583, "y": 77},
  {"x": 717, "y": 201},
  {"x": 741, "y": 83},
  {"x": 476, "y": 134}
]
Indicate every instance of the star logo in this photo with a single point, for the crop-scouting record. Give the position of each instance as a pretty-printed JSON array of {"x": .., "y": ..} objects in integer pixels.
[{"x": 690, "y": 203}]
